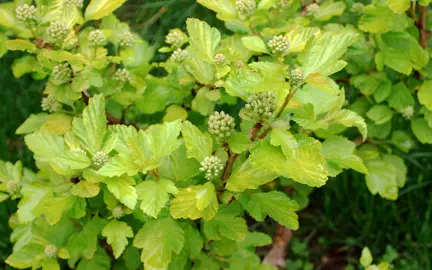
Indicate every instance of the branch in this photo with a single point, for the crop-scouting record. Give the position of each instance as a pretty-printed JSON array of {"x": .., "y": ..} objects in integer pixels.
[
  {"x": 229, "y": 165},
  {"x": 276, "y": 255},
  {"x": 421, "y": 24}
]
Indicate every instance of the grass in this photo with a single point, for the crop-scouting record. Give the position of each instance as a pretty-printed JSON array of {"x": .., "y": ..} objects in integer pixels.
[{"x": 343, "y": 216}]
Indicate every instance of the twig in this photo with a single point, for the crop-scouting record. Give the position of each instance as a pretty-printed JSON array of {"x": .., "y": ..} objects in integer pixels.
[
  {"x": 276, "y": 255},
  {"x": 152, "y": 19},
  {"x": 253, "y": 132},
  {"x": 421, "y": 24},
  {"x": 229, "y": 165}
]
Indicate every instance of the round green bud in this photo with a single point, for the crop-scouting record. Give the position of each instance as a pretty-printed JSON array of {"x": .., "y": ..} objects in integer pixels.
[
  {"x": 279, "y": 44},
  {"x": 58, "y": 31},
  {"x": 51, "y": 251},
  {"x": 96, "y": 38},
  {"x": 180, "y": 55},
  {"x": 295, "y": 76},
  {"x": 220, "y": 59},
  {"x": 245, "y": 8},
  {"x": 176, "y": 38},
  {"x": 122, "y": 75},
  {"x": 74, "y": 3},
  {"x": 212, "y": 166},
  {"x": 100, "y": 158},
  {"x": 61, "y": 72},
  {"x": 221, "y": 125},
  {"x": 126, "y": 39},
  {"x": 312, "y": 9},
  {"x": 13, "y": 186},
  {"x": 26, "y": 14},
  {"x": 50, "y": 103},
  {"x": 261, "y": 105},
  {"x": 117, "y": 212},
  {"x": 408, "y": 112}
]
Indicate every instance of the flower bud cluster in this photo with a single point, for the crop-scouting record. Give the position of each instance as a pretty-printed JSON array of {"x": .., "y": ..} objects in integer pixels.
[
  {"x": 61, "y": 72},
  {"x": 180, "y": 55},
  {"x": 220, "y": 59},
  {"x": 408, "y": 112},
  {"x": 96, "y": 38},
  {"x": 79, "y": 150},
  {"x": 176, "y": 38},
  {"x": 117, "y": 212},
  {"x": 261, "y": 105},
  {"x": 122, "y": 75},
  {"x": 50, "y": 103},
  {"x": 126, "y": 39},
  {"x": 312, "y": 9},
  {"x": 50, "y": 251},
  {"x": 26, "y": 14},
  {"x": 58, "y": 31},
  {"x": 239, "y": 64},
  {"x": 74, "y": 3},
  {"x": 212, "y": 166},
  {"x": 100, "y": 158},
  {"x": 295, "y": 76},
  {"x": 245, "y": 8},
  {"x": 279, "y": 44},
  {"x": 221, "y": 125},
  {"x": 13, "y": 187}
]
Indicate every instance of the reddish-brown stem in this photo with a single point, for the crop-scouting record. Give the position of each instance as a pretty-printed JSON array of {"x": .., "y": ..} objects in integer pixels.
[
  {"x": 421, "y": 24},
  {"x": 229, "y": 166},
  {"x": 276, "y": 255}
]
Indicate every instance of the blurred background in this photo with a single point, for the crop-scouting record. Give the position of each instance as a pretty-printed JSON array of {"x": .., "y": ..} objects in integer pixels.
[{"x": 342, "y": 217}]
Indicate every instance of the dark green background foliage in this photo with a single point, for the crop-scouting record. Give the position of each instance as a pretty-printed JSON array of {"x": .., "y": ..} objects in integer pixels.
[{"x": 343, "y": 216}]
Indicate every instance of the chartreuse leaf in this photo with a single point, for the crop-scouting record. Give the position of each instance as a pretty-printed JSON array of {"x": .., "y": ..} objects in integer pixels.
[
  {"x": 421, "y": 130},
  {"x": 398, "y": 6},
  {"x": 32, "y": 203},
  {"x": 382, "y": 178},
  {"x": 285, "y": 140},
  {"x": 32, "y": 124},
  {"x": 298, "y": 38},
  {"x": 91, "y": 129},
  {"x": 322, "y": 54},
  {"x": 400, "y": 97},
  {"x": 401, "y": 169},
  {"x": 193, "y": 240},
  {"x": 100, "y": 261},
  {"x": 225, "y": 224},
  {"x": 340, "y": 153},
  {"x": 425, "y": 94},
  {"x": 195, "y": 202},
  {"x": 26, "y": 256},
  {"x": 177, "y": 167},
  {"x": 276, "y": 205},
  {"x": 308, "y": 166},
  {"x": 366, "y": 257},
  {"x": 198, "y": 144},
  {"x": 328, "y": 10},
  {"x": 45, "y": 146},
  {"x": 154, "y": 195},
  {"x": 98, "y": 9},
  {"x": 255, "y": 44},
  {"x": 378, "y": 18},
  {"x": 50, "y": 264},
  {"x": 117, "y": 233},
  {"x": 123, "y": 189},
  {"x": 86, "y": 189},
  {"x": 159, "y": 239},
  {"x": 239, "y": 142},
  {"x": 203, "y": 38},
  {"x": 247, "y": 176},
  {"x": 21, "y": 45},
  {"x": 56, "y": 123},
  {"x": 349, "y": 119}
]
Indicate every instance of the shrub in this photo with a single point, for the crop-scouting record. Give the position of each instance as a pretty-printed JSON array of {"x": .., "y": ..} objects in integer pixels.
[{"x": 174, "y": 158}]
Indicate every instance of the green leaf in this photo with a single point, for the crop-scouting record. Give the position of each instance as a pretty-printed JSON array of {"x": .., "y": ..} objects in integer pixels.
[
  {"x": 380, "y": 114},
  {"x": 366, "y": 257},
  {"x": 31, "y": 204},
  {"x": 225, "y": 224},
  {"x": 340, "y": 152},
  {"x": 195, "y": 202},
  {"x": 21, "y": 45},
  {"x": 86, "y": 189},
  {"x": 401, "y": 169},
  {"x": 421, "y": 130},
  {"x": 380, "y": 19},
  {"x": 203, "y": 38},
  {"x": 381, "y": 178},
  {"x": 349, "y": 119},
  {"x": 158, "y": 240},
  {"x": 98, "y": 9},
  {"x": 100, "y": 261},
  {"x": 400, "y": 97},
  {"x": 239, "y": 142},
  {"x": 91, "y": 129},
  {"x": 246, "y": 176},
  {"x": 32, "y": 124},
  {"x": 154, "y": 195},
  {"x": 285, "y": 140},
  {"x": 177, "y": 167},
  {"x": 298, "y": 38},
  {"x": 402, "y": 140},
  {"x": 50, "y": 264},
  {"x": 307, "y": 167},
  {"x": 193, "y": 240},
  {"x": 122, "y": 188},
  {"x": 198, "y": 145},
  {"x": 117, "y": 233},
  {"x": 398, "y": 6},
  {"x": 26, "y": 256},
  {"x": 56, "y": 123},
  {"x": 425, "y": 94},
  {"x": 329, "y": 9},
  {"x": 256, "y": 239},
  {"x": 322, "y": 54},
  {"x": 55, "y": 206},
  {"x": 175, "y": 112},
  {"x": 276, "y": 205},
  {"x": 255, "y": 44}
]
